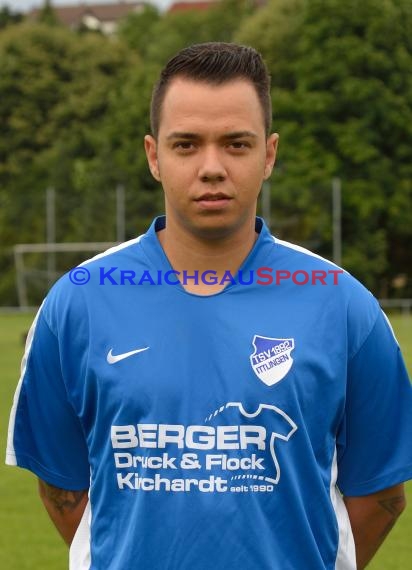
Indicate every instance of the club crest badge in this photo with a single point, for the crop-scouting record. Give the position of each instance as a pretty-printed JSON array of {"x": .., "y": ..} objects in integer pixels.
[{"x": 271, "y": 359}]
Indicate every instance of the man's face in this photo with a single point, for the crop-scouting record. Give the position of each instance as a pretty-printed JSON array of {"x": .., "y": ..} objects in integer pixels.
[{"x": 211, "y": 156}]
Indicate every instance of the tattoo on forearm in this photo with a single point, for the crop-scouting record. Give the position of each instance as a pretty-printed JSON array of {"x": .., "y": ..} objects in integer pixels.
[
  {"x": 394, "y": 507},
  {"x": 62, "y": 499}
]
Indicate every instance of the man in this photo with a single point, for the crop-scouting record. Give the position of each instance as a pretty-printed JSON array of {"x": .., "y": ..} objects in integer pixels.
[{"x": 234, "y": 401}]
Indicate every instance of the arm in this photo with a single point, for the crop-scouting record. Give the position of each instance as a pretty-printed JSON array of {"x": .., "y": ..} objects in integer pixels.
[
  {"x": 65, "y": 508},
  {"x": 372, "y": 517}
]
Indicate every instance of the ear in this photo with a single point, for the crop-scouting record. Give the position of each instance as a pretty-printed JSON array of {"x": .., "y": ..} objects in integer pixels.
[
  {"x": 271, "y": 150},
  {"x": 150, "y": 146}
]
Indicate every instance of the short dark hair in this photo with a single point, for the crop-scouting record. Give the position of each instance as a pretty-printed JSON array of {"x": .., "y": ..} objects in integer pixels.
[{"x": 214, "y": 63}]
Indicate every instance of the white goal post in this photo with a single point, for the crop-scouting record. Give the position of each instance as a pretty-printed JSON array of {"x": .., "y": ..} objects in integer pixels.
[{"x": 49, "y": 274}]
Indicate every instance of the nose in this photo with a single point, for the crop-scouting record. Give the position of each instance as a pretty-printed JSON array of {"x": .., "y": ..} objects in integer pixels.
[{"x": 211, "y": 168}]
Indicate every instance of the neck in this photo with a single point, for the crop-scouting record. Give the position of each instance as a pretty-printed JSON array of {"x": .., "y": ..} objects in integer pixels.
[{"x": 190, "y": 253}]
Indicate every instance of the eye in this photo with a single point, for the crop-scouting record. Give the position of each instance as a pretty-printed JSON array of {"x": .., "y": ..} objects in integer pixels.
[
  {"x": 239, "y": 145},
  {"x": 184, "y": 145}
]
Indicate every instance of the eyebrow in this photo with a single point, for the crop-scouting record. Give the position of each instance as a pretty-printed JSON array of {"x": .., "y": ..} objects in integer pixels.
[
  {"x": 240, "y": 135},
  {"x": 182, "y": 135},
  {"x": 228, "y": 136}
]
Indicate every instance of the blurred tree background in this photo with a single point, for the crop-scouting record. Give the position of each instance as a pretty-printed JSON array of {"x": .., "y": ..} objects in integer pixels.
[{"x": 74, "y": 107}]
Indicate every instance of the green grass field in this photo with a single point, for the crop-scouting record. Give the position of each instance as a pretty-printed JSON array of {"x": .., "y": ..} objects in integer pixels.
[{"x": 28, "y": 540}]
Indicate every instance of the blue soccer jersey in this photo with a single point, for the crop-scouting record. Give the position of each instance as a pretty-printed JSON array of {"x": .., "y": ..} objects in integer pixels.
[{"x": 215, "y": 432}]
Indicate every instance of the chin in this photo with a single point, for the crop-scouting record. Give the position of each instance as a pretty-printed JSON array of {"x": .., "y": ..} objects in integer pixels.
[{"x": 215, "y": 229}]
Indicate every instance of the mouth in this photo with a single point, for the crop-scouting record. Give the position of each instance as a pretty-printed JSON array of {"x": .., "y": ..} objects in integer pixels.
[
  {"x": 211, "y": 197},
  {"x": 213, "y": 201}
]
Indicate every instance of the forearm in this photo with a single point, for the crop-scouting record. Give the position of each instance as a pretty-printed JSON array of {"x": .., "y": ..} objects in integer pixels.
[
  {"x": 65, "y": 508},
  {"x": 372, "y": 517}
]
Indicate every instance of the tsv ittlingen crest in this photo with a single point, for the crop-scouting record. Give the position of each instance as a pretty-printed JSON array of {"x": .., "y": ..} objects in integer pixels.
[{"x": 271, "y": 360}]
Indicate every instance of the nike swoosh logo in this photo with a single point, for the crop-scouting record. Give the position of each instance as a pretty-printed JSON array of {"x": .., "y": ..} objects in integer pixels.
[{"x": 113, "y": 358}]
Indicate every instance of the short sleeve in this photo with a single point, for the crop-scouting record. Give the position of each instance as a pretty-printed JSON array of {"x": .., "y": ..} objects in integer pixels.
[
  {"x": 45, "y": 435},
  {"x": 375, "y": 439}
]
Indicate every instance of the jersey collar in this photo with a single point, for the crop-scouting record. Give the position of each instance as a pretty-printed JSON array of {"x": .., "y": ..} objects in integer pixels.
[{"x": 256, "y": 258}]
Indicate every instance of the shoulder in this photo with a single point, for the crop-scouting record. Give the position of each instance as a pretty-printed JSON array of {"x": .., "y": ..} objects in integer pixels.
[
  {"x": 79, "y": 288},
  {"x": 299, "y": 259},
  {"x": 307, "y": 259},
  {"x": 331, "y": 284},
  {"x": 116, "y": 253}
]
